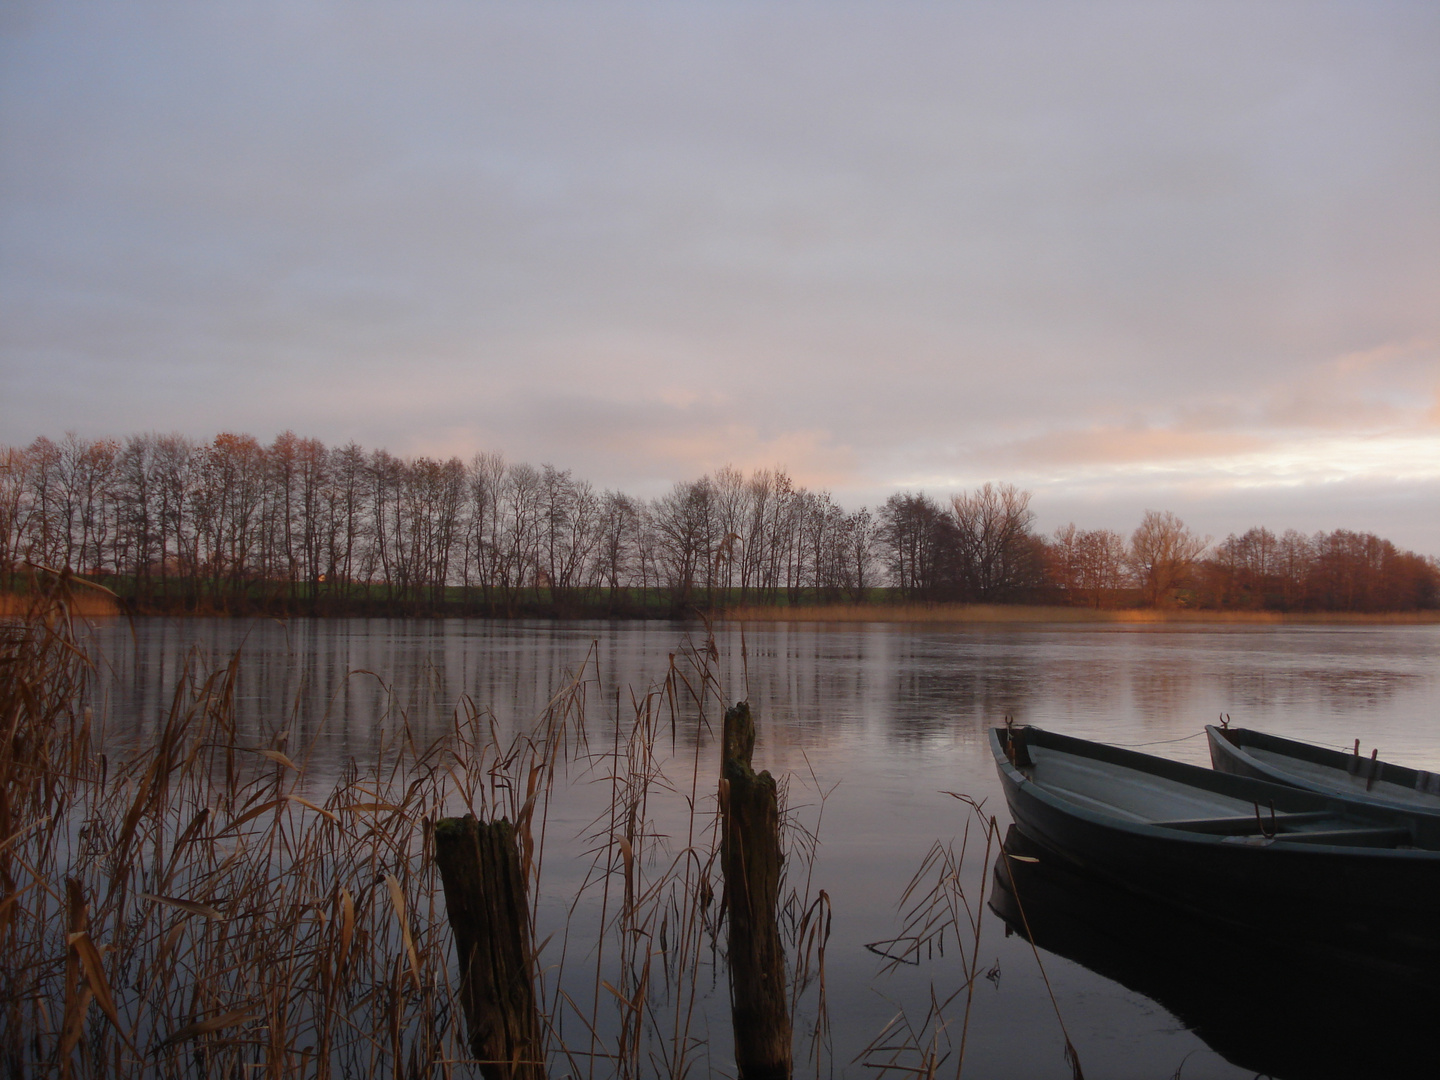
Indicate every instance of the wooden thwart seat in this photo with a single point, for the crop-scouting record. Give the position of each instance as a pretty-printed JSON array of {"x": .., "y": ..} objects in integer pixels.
[
  {"x": 1291, "y": 828},
  {"x": 1243, "y": 824},
  {"x": 1360, "y": 836}
]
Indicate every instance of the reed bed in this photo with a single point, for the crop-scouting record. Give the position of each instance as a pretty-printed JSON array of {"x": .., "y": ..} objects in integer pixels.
[
  {"x": 91, "y": 603},
  {"x": 185, "y": 910},
  {"x": 191, "y": 907},
  {"x": 194, "y": 907}
]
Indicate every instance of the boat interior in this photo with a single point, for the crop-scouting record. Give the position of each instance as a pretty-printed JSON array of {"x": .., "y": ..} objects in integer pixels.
[
  {"x": 1356, "y": 782},
  {"x": 1137, "y": 796}
]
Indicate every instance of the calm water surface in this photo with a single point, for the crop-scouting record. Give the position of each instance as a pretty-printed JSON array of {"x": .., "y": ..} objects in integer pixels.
[{"x": 887, "y": 719}]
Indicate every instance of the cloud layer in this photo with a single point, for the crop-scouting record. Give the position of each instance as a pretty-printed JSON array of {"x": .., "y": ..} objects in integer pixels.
[{"x": 1124, "y": 254}]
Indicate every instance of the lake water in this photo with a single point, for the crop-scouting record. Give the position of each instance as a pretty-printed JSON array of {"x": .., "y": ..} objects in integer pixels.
[{"x": 887, "y": 719}]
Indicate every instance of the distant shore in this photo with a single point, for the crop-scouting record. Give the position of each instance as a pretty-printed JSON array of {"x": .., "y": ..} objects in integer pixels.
[
  {"x": 1024, "y": 613},
  {"x": 96, "y": 604}
]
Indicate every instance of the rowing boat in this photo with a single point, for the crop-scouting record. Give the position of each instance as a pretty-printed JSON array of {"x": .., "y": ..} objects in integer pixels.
[
  {"x": 1316, "y": 768},
  {"x": 1255, "y": 854}
]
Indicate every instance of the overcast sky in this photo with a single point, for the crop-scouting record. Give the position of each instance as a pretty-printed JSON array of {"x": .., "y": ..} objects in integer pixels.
[{"x": 1170, "y": 255}]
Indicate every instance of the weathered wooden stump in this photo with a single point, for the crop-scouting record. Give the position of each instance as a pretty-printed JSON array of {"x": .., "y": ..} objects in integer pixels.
[
  {"x": 750, "y": 861},
  {"x": 485, "y": 898}
]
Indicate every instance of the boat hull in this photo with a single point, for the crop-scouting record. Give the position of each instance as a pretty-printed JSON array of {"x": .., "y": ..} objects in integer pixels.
[{"x": 1382, "y": 901}]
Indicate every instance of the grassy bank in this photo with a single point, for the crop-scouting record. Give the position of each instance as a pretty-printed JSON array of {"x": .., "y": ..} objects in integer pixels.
[{"x": 99, "y": 603}]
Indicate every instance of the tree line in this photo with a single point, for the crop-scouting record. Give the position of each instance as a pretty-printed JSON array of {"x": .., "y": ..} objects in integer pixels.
[{"x": 232, "y": 524}]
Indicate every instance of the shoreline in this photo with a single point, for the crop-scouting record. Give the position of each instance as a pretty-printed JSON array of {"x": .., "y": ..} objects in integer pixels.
[
  {"x": 1026, "y": 613},
  {"x": 96, "y": 604}
]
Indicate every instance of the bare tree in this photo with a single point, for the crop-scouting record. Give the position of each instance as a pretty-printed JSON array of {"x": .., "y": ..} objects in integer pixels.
[
  {"x": 1337, "y": 571},
  {"x": 754, "y": 532},
  {"x": 43, "y": 533},
  {"x": 484, "y": 479},
  {"x": 731, "y": 498},
  {"x": 855, "y": 550},
  {"x": 617, "y": 546},
  {"x": 915, "y": 534},
  {"x": 569, "y": 513},
  {"x": 282, "y": 555},
  {"x": 232, "y": 521},
  {"x": 384, "y": 475},
  {"x": 1243, "y": 572},
  {"x": 518, "y": 535},
  {"x": 87, "y": 503},
  {"x": 440, "y": 503},
  {"x": 1088, "y": 565},
  {"x": 770, "y": 546},
  {"x": 232, "y": 472},
  {"x": 15, "y": 507},
  {"x": 1163, "y": 553},
  {"x": 647, "y": 552},
  {"x": 1294, "y": 557},
  {"x": 137, "y": 496},
  {"x": 684, "y": 526},
  {"x": 177, "y": 473},
  {"x": 312, "y": 477},
  {"x": 343, "y": 533},
  {"x": 995, "y": 554}
]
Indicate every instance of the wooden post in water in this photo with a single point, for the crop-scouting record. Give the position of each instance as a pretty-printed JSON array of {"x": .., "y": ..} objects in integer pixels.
[
  {"x": 750, "y": 861},
  {"x": 485, "y": 898}
]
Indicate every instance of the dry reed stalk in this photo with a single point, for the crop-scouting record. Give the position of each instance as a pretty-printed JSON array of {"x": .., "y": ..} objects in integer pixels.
[
  {"x": 230, "y": 923},
  {"x": 236, "y": 922},
  {"x": 936, "y": 903},
  {"x": 653, "y": 898}
]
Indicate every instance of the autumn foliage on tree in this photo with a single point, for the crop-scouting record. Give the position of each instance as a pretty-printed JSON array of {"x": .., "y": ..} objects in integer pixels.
[
  {"x": 1337, "y": 571},
  {"x": 1163, "y": 556},
  {"x": 1088, "y": 566}
]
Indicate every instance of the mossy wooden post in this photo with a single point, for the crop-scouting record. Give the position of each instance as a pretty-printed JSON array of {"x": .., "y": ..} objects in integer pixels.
[
  {"x": 485, "y": 898},
  {"x": 750, "y": 861}
]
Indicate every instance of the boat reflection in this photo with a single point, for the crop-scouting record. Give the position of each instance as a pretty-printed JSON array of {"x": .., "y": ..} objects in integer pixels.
[{"x": 1282, "y": 1011}]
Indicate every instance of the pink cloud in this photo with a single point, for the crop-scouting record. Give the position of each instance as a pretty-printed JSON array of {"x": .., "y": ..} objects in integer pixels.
[{"x": 809, "y": 456}]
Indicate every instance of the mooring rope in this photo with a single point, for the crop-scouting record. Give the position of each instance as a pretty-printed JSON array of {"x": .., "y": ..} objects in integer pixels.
[{"x": 1158, "y": 742}]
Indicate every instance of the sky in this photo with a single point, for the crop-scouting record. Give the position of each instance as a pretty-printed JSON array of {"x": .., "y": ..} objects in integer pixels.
[{"x": 1182, "y": 256}]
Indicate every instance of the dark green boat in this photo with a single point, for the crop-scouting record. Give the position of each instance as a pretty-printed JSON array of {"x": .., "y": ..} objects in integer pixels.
[
  {"x": 1300, "y": 865},
  {"x": 1353, "y": 776}
]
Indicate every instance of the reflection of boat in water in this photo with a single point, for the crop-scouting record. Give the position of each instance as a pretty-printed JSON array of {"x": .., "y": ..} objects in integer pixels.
[
  {"x": 1335, "y": 876},
  {"x": 1316, "y": 768},
  {"x": 1284, "y": 1012}
]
